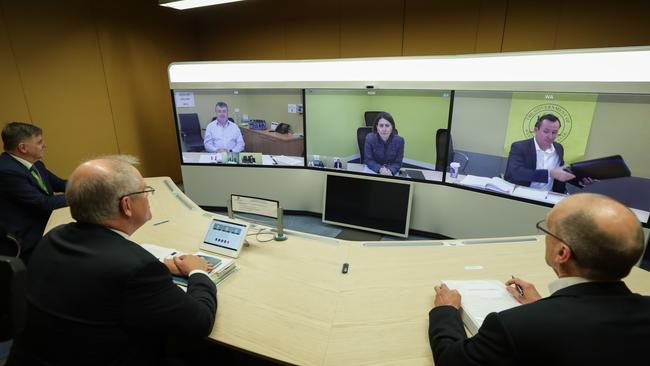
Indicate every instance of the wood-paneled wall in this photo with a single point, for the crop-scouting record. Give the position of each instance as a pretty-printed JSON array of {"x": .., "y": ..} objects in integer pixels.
[
  {"x": 94, "y": 77},
  {"x": 94, "y": 74},
  {"x": 294, "y": 29}
]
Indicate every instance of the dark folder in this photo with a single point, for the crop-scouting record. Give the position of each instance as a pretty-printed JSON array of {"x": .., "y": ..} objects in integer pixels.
[
  {"x": 413, "y": 174},
  {"x": 603, "y": 168}
]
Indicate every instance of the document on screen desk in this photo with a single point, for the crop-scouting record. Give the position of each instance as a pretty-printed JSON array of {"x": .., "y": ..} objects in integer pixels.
[{"x": 480, "y": 298}]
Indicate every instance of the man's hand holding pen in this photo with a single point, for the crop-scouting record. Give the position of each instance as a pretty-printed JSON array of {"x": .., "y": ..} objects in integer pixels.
[{"x": 524, "y": 292}]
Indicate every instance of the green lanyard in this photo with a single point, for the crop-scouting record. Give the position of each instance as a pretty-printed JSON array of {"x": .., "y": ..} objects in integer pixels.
[{"x": 38, "y": 179}]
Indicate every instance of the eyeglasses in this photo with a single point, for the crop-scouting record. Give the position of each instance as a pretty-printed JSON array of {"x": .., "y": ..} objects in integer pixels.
[
  {"x": 146, "y": 191},
  {"x": 540, "y": 226}
]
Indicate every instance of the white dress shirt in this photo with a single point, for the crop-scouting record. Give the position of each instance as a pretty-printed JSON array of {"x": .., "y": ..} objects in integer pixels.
[
  {"x": 26, "y": 163},
  {"x": 546, "y": 159},
  {"x": 218, "y": 136}
]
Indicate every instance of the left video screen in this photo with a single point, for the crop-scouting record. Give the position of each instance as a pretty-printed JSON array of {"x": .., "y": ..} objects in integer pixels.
[{"x": 240, "y": 126}]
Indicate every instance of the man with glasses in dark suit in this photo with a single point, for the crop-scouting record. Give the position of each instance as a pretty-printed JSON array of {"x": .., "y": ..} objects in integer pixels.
[
  {"x": 97, "y": 298},
  {"x": 27, "y": 188},
  {"x": 590, "y": 318}
]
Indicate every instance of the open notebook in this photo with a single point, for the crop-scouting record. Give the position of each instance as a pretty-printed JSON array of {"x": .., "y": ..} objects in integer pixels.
[
  {"x": 480, "y": 298},
  {"x": 222, "y": 266},
  {"x": 493, "y": 184}
]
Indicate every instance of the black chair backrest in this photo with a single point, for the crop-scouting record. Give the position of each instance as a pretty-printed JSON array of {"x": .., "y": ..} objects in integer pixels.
[
  {"x": 370, "y": 116},
  {"x": 190, "y": 123},
  {"x": 191, "y": 131},
  {"x": 444, "y": 149},
  {"x": 9, "y": 246},
  {"x": 13, "y": 284},
  {"x": 362, "y": 132}
]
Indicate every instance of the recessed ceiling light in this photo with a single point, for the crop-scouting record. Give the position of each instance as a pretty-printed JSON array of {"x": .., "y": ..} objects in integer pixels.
[{"x": 189, "y": 4}]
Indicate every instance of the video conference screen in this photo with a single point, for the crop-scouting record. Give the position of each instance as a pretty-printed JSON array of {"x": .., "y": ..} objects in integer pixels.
[
  {"x": 526, "y": 145},
  {"x": 240, "y": 126},
  {"x": 376, "y": 132},
  {"x": 535, "y": 145},
  {"x": 368, "y": 203}
]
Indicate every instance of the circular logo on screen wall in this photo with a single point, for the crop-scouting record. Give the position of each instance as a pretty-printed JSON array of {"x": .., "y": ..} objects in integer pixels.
[{"x": 566, "y": 122}]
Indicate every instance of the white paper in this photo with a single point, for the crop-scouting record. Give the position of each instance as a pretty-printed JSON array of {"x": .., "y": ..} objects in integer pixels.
[
  {"x": 530, "y": 193},
  {"x": 184, "y": 99},
  {"x": 475, "y": 181},
  {"x": 640, "y": 214},
  {"x": 495, "y": 184},
  {"x": 266, "y": 160},
  {"x": 286, "y": 160},
  {"x": 482, "y": 297},
  {"x": 257, "y": 206},
  {"x": 554, "y": 198},
  {"x": 210, "y": 158}
]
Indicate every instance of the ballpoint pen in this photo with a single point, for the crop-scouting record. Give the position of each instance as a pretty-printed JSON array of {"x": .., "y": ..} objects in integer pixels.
[{"x": 519, "y": 288}]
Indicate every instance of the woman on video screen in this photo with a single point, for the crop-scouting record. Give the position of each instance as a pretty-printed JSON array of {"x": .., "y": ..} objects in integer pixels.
[{"x": 384, "y": 149}]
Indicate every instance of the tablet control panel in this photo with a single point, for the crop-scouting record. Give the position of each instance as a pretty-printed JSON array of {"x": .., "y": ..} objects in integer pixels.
[{"x": 225, "y": 234}]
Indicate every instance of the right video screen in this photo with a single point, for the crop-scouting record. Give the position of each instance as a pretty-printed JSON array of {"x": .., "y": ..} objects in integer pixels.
[{"x": 543, "y": 146}]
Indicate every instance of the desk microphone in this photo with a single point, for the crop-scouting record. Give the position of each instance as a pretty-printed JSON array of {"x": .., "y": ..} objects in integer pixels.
[{"x": 279, "y": 235}]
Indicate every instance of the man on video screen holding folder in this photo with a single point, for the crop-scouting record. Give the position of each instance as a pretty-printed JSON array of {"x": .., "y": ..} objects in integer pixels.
[
  {"x": 590, "y": 318},
  {"x": 538, "y": 162}
]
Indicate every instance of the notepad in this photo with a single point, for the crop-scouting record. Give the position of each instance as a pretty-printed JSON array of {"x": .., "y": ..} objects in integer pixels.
[
  {"x": 221, "y": 267},
  {"x": 493, "y": 184},
  {"x": 480, "y": 298}
]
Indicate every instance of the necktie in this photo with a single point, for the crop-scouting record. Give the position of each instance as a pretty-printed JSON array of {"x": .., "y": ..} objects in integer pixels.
[{"x": 38, "y": 179}]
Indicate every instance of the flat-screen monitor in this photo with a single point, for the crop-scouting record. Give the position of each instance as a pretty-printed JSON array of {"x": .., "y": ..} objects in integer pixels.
[
  {"x": 376, "y": 131},
  {"x": 372, "y": 204},
  {"x": 248, "y": 127},
  {"x": 496, "y": 144}
]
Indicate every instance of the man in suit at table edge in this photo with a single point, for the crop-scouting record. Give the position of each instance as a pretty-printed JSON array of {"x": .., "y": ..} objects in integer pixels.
[
  {"x": 538, "y": 162},
  {"x": 27, "y": 188},
  {"x": 590, "y": 318},
  {"x": 97, "y": 298}
]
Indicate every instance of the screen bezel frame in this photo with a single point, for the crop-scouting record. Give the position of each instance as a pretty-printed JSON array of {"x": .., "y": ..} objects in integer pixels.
[
  {"x": 178, "y": 132},
  {"x": 369, "y": 177}
]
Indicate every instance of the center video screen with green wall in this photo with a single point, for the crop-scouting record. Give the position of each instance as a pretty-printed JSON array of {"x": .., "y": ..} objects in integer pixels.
[{"x": 336, "y": 128}]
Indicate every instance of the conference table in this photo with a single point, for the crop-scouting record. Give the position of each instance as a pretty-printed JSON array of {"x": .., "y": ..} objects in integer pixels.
[{"x": 290, "y": 301}]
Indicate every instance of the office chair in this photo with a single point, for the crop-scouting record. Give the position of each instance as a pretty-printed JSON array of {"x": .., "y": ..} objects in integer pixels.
[
  {"x": 445, "y": 153},
  {"x": 191, "y": 131},
  {"x": 13, "y": 283},
  {"x": 362, "y": 132},
  {"x": 370, "y": 116},
  {"x": 444, "y": 149},
  {"x": 9, "y": 245}
]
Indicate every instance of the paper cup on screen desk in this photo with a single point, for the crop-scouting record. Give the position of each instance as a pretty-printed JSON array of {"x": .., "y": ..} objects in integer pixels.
[{"x": 453, "y": 172}]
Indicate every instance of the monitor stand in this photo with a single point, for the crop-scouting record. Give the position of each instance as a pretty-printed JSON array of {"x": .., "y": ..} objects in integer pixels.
[{"x": 358, "y": 235}]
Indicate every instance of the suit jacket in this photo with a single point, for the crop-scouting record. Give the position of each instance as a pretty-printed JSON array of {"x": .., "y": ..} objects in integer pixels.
[
  {"x": 378, "y": 153},
  {"x": 96, "y": 298},
  {"x": 24, "y": 206},
  {"x": 522, "y": 165},
  {"x": 594, "y": 323}
]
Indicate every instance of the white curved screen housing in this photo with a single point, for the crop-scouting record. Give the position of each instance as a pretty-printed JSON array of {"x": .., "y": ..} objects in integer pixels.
[{"x": 439, "y": 208}]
